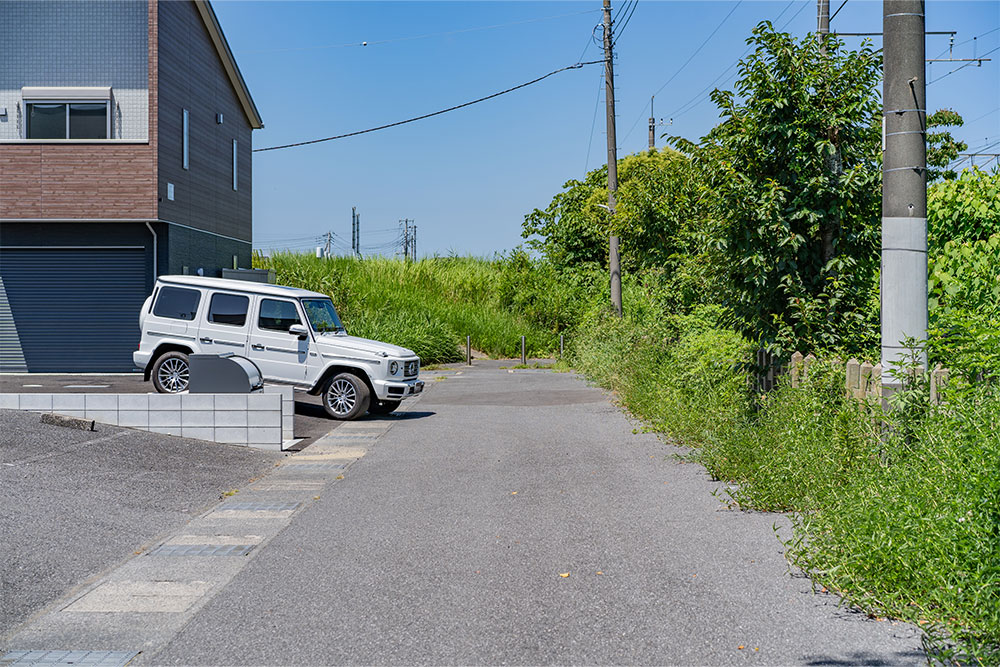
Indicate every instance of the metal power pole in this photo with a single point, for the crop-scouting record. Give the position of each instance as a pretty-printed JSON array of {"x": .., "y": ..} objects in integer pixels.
[
  {"x": 609, "y": 95},
  {"x": 329, "y": 244},
  {"x": 354, "y": 229},
  {"x": 652, "y": 125},
  {"x": 904, "y": 185}
]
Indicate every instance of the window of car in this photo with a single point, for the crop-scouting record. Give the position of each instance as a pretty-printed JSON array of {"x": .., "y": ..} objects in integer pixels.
[
  {"x": 228, "y": 309},
  {"x": 177, "y": 303},
  {"x": 277, "y": 315},
  {"x": 67, "y": 120}
]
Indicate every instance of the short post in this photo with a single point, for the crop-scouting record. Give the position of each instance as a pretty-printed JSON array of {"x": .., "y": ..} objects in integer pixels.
[
  {"x": 560, "y": 346},
  {"x": 468, "y": 350},
  {"x": 524, "y": 359}
]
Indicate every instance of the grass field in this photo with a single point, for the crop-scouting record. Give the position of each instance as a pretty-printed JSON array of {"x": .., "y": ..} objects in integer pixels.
[{"x": 429, "y": 305}]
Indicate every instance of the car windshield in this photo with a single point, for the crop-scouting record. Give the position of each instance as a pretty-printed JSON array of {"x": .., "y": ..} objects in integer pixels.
[{"x": 322, "y": 315}]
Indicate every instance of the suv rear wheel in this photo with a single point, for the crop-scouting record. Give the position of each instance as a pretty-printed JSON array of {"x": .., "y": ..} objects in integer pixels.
[
  {"x": 171, "y": 373},
  {"x": 346, "y": 397}
]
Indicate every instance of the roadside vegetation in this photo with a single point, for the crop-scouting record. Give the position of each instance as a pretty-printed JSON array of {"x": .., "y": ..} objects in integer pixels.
[{"x": 763, "y": 234}]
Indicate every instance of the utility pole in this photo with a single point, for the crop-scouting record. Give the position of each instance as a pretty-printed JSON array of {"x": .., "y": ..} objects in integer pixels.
[
  {"x": 609, "y": 95},
  {"x": 409, "y": 239},
  {"x": 904, "y": 186},
  {"x": 652, "y": 125},
  {"x": 822, "y": 23},
  {"x": 357, "y": 234},
  {"x": 354, "y": 229},
  {"x": 329, "y": 244}
]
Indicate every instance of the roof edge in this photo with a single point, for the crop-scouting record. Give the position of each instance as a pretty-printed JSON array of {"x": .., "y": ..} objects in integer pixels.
[{"x": 211, "y": 22}]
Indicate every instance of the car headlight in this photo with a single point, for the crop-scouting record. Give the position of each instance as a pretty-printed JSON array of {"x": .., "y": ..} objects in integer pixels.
[{"x": 393, "y": 367}]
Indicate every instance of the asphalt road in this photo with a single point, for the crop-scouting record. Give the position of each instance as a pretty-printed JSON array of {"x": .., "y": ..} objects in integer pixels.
[
  {"x": 311, "y": 421},
  {"x": 519, "y": 519},
  {"x": 74, "y": 503}
]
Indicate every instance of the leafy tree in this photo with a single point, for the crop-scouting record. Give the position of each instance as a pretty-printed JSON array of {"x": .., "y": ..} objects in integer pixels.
[
  {"x": 662, "y": 218},
  {"x": 942, "y": 148},
  {"x": 795, "y": 164},
  {"x": 964, "y": 209}
]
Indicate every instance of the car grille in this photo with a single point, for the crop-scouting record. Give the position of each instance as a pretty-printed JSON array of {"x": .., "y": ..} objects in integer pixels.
[{"x": 411, "y": 368}]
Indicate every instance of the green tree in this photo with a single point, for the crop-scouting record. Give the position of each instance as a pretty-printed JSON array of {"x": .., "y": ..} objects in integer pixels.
[
  {"x": 795, "y": 164},
  {"x": 964, "y": 209},
  {"x": 663, "y": 219},
  {"x": 942, "y": 148}
]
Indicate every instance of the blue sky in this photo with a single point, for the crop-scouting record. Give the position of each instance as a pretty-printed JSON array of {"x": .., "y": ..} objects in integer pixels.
[{"x": 467, "y": 178}]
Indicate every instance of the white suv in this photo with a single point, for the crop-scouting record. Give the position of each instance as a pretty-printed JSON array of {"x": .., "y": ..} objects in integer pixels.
[{"x": 293, "y": 335}]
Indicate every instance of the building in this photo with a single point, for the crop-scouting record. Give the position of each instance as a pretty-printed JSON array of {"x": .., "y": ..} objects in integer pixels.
[{"x": 125, "y": 153}]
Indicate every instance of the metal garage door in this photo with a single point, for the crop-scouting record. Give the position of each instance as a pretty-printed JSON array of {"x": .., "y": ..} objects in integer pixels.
[{"x": 71, "y": 310}]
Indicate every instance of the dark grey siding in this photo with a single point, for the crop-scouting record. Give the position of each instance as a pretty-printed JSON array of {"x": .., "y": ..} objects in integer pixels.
[
  {"x": 197, "y": 250},
  {"x": 74, "y": 309},
  {"x": 191, "y": 76}
]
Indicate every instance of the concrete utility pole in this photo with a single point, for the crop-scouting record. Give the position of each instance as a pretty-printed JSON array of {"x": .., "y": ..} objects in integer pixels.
[
  {"x": 652, "y": 125},
  {"x": 822, "y": 23},
  {"x": 609, "y": 94},
  {"x": 354, "y": 229},
  {"x": 904, "y": 185}
]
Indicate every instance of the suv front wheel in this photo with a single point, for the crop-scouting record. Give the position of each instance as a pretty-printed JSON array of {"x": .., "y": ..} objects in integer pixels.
[
  {"x": 346, "y": 397},
  {"x": 171, "y": 373}
]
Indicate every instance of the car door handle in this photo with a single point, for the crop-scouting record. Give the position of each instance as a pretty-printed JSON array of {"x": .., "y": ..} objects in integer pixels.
[
  {"x": 257, "y": 346},
  {"x": 206, "y": 339}
]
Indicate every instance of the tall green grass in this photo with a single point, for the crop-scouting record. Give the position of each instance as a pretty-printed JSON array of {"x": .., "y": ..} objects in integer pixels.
[{"x": 429, "y": 305}]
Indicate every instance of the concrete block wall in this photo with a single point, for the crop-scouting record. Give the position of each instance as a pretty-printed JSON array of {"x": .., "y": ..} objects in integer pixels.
[{"x": 263, "y": 420}]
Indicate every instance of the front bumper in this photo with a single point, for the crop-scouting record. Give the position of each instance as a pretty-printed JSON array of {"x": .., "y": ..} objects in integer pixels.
[{"x": 397, "y": 390}]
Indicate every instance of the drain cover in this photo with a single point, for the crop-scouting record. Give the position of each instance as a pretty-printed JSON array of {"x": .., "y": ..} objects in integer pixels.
[
  {"x": 202, "y": 550},
  {"x": 260, "y": 507},
  {"x": 77, "y": 658}
]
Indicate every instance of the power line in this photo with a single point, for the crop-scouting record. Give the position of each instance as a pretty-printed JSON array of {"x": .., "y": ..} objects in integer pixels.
[
  {"x": 838, "y": 10},
  {"x": 429, "y": 115},
  {"x": 964, "y": 66},
  {"x": 620, "y": 31},
  {"x": 692, "y": 103},
  {"x": 698, "y": 50},
  {"x": 593, "y": 123},
  {"x": 686, "y": 63},
  {"x": 407, "y": 39},
  {"x": 971, "y": 39}
]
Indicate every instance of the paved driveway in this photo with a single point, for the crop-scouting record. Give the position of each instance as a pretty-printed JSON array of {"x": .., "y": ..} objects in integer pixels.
[
  {"x": 507, "y": 517},
  {"x": 73, "y": 503}
]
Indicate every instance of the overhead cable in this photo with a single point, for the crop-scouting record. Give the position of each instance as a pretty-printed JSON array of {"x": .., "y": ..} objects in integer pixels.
[
  {"x": 618, "y": 32},
  {"x": 686, "y": 63},
  {"x": 963, "y": 66},
  {"x": 429, "y": 115}
]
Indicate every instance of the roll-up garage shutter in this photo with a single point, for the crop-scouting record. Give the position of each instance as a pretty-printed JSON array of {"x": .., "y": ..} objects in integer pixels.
[{"x": 72, "y": 310}]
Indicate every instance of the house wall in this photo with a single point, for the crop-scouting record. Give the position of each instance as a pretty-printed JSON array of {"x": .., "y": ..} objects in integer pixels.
[
  {"x": 191, "y": 76},
  {"x": 94, "y": 43}
]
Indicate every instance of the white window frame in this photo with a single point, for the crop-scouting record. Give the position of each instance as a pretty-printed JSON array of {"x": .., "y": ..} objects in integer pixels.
[
  {"x": 66, "y": 103},
  {"x": 235, "y": 171},
  {"x": 185, "y": 151}
]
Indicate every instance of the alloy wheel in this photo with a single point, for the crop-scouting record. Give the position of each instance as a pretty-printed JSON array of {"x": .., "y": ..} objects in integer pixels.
[
  {"x": 341, "y": 397},
  {"x": 173, "y": 375}
]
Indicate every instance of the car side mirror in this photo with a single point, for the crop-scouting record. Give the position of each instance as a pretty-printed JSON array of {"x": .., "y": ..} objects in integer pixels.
[{"x": 299, "y": 330}]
